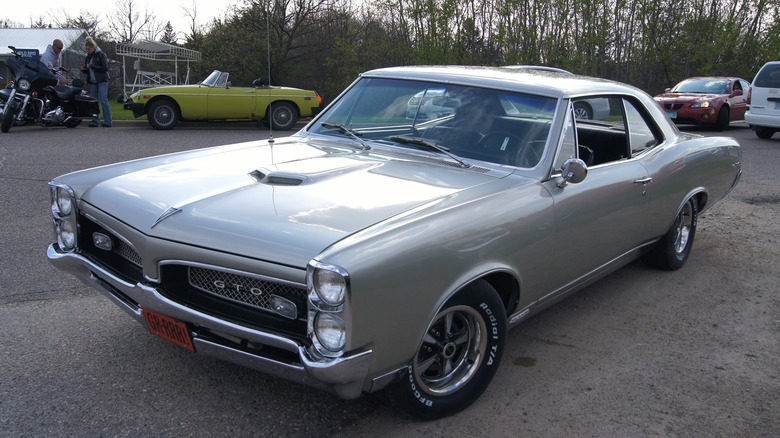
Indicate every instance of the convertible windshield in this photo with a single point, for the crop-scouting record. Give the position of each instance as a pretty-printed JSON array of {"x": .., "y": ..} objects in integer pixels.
[
  {"x": 703, "y": 86},
  {"x": 216, "y": 78},
  {"x": 495, "y": 126}
]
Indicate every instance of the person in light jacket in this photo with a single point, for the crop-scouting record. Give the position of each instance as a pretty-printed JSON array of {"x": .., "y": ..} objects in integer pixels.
[
  {"x": 51, "y": 58},
  {"x": 96, "y": 69}
]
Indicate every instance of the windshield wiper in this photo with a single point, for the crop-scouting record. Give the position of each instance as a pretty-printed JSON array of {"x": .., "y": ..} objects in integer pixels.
[
  {"x": 419, "y": 141},
  {"x": 347, "y": 130}
]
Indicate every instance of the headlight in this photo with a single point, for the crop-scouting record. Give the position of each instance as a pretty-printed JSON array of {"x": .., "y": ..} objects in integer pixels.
[
  {"x": 66, "y": 236},
  {"x": 330, "y": 331},
  {"x": 64, "y": 201},
  {"x": 23, "y": 85},
  {"x": 702, "y": 104},
  {"x": 62, "y": 209},
  {"x": 329, "y": 282}
]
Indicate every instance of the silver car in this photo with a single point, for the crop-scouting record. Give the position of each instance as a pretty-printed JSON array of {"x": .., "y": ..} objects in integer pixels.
[{"x": 373, "y": 252}]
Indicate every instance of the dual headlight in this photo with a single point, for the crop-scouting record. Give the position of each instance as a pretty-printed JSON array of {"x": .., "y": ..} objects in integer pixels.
[
  {"x": 63, "y": 212},
  {"x": 328, "y": 289},
  {"x": 702, "y": 104}
]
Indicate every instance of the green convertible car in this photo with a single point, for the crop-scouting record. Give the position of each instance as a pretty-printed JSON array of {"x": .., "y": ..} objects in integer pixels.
[{"x": 214, "y": 99}]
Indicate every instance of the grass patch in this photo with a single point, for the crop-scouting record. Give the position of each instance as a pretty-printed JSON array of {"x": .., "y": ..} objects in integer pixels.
[{"x": 119, "y": 113}]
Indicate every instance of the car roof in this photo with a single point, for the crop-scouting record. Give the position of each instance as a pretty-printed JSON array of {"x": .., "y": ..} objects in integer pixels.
[{"x": 529, "y": 80}]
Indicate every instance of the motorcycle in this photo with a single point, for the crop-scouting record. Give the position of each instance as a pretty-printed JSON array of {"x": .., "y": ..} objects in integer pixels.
[{"x": 34, "y": 95}]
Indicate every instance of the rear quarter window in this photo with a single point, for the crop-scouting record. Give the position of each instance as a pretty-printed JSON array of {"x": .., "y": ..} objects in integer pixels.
[{"x": 768, "y": 76}]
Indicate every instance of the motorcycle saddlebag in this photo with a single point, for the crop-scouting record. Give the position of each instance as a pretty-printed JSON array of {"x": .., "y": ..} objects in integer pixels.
[{"x": 87, "y": 106}]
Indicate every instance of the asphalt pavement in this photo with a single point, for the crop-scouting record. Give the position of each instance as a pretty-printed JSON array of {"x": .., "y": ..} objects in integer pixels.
[{"x": 693, "y": 352}]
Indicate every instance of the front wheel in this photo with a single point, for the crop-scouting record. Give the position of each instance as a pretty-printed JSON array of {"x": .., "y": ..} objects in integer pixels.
[
  {"x": 163, "y": 114},
  {"x": 458, "y": 356},
  {"x": 283, "y": 117},
  {"x": 8, "y": 117},
  {"x": 724, "y": 117},
  {"x": 671, "y": 252}
]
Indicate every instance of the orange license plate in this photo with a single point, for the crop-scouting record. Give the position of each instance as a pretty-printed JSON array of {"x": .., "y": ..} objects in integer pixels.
[{"x": 169, "y": 329}]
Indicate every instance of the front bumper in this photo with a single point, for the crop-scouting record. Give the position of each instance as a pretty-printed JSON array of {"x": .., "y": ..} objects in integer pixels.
[
  {"x": 138, "y": 109},
  {"x": 346, "y": 376}
]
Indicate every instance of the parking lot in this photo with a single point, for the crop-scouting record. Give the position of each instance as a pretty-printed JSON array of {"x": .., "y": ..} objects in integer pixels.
[{"x": 695, "y": 352}]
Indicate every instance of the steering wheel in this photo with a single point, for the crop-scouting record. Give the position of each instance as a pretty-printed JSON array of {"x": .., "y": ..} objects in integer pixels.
[{"x": 499, "y": 147}]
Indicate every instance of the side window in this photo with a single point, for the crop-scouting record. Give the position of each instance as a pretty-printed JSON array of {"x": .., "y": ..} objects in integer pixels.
[
  {"x": 641, "y": 135},
  {"x": 602, "y": 139},
  {"x": 620, "y": 132}
]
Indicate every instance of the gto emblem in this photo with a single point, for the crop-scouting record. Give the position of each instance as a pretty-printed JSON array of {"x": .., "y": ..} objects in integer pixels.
[{"x": 238, "y": 287}]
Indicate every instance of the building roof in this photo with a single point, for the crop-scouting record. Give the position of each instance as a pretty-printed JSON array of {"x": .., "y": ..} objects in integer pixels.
[{"x": 39, "y": 38}]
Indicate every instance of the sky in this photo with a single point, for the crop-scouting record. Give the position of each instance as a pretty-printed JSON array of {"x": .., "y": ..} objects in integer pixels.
[{"x": 161, "y": 10}]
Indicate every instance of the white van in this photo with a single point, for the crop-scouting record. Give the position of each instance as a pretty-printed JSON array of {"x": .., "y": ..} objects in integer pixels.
[{"x": 763, "y": 114}]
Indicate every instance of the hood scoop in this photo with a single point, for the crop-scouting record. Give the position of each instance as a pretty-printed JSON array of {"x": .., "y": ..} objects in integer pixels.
[{"x": 277, "y": 178}]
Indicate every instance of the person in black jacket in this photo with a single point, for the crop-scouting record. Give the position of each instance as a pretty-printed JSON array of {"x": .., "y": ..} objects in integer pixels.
[{"x": 96, "y": 69}]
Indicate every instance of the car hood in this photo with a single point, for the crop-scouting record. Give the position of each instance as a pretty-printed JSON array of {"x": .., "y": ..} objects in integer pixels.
[
  {"x": 692, "y": 97},
  {"x": 285, "y": 204}
]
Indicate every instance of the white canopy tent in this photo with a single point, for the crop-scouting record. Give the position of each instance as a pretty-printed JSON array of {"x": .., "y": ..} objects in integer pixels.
[{"x": 155, "y": 51}]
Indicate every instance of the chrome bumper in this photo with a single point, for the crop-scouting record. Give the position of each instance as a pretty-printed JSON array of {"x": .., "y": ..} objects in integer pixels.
[{"x": 346, "y": 376}]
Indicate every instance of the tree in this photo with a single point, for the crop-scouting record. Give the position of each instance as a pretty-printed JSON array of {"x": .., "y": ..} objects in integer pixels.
[
  {"x": 129, "y": 23},
  {"x": 169, "y": 36}
]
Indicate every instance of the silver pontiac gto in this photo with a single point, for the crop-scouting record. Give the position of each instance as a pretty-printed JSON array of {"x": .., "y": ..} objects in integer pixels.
[{"x": 392, "y": 242}]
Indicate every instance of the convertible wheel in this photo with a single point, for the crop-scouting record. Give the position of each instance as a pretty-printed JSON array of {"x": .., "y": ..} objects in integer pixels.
[
  {"x": 723, "y": 119},
  {"x": 458, "y": 356},
  {"x": 284, "y": 116},
  {"x": 671, "y": 252},
  {"x": 163, "y": 114},
  {"x": 764, "y": 133}
]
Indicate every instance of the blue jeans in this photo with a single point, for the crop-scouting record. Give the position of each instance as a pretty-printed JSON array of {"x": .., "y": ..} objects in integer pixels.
[{"x": 100, "y": 91}]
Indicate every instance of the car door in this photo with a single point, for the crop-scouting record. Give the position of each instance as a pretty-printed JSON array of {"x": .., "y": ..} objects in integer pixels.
[
  {"x": 227, "y": 102},
  {"x": 603, "y": 217},
  {"x": 738, "y": 100}
]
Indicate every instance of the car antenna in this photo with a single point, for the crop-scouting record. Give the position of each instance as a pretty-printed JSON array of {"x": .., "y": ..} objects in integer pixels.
[{"x": 270, "y": 114}]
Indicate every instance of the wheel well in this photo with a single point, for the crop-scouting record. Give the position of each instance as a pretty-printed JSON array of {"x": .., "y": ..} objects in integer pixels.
[
  {"x": 268, "y": 108},
  {"x": 701, "y": 200},
  {"x": 159, "y": 98},
  {"x": 507, "y": 287}
]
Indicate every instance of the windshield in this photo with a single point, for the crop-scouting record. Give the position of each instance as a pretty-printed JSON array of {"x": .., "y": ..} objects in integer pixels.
[
  {"x": 703, "y": 86},
  {"x": 216, "y": 78},
  {"x": 475, "y": 123}
]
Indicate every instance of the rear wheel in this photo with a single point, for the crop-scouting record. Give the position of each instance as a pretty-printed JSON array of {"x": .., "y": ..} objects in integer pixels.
[
  {"x": 671, "y": 252},
  {"x": 764, "y": 133},
  {"x": 724, "y": 116},
  {"x": 163, "y": 114},
  {"x": 458, "y": 356},
  {"x": 72, "y": 123},
  {"x": 284, "y": 116}
]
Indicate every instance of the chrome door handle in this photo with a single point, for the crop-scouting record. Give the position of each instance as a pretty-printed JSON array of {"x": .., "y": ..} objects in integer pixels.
[{"x": 644, "y": 181}]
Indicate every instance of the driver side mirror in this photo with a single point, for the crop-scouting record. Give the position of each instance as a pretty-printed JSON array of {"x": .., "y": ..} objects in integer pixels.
[
  {"x": 573, "y": 171},
  {"x": 736, "y": 93}
]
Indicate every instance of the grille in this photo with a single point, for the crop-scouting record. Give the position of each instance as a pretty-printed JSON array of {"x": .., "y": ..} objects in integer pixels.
[
  {"x": 673, "y": 106},
  {"x": 127, "y": 252},
  {"x": 244, "y": 289}
]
